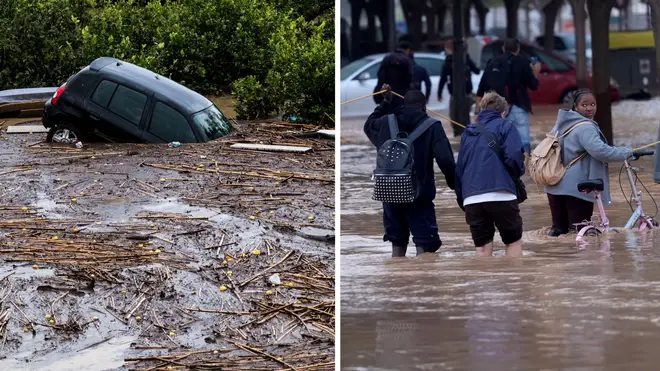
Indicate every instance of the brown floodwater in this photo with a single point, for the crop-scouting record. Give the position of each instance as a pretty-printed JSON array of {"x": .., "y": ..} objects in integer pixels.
[{"x": 558, "y": 307}]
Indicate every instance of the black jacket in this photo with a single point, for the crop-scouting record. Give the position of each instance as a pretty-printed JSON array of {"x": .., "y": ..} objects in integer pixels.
[
  {"x": 397, "y": 69},
  {"x": 521, "y": 78},
  {"x": 446, "y": 75},
  {"x": 432, "y": 144},
  {"x": 422, "y": 76}
]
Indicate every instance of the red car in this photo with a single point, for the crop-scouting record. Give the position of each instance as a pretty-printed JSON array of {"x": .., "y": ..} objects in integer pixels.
[{"x": 557, "y": 81}]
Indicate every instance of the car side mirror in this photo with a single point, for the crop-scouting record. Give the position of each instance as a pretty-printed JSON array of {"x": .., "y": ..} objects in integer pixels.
[{"x": 364, "y": 76}]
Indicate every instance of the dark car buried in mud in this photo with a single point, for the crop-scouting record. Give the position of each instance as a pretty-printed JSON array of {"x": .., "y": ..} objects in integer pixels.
[{"x": 121, "y": 102}]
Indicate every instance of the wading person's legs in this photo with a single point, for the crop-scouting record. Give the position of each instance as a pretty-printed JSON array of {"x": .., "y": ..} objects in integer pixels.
[
  {"x": 482, "y": 228},
  {"x": 396, "y": 227},
  {"x": 578, "y": 212},
  {"x": 424, "y": 226},
  {"x": 520, "y": 119},
  {"x": 510, "y": 225},
  {"x": 559, "y": 215}
]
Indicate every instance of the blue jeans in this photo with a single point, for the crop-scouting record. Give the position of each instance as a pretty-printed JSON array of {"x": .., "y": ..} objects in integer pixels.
[{"x": 520, "y": 119}]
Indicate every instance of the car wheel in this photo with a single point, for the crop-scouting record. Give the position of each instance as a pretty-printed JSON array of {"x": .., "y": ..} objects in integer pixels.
[
  {"x": 64, "y": 133},
  {"x": 569, "y": 96}
]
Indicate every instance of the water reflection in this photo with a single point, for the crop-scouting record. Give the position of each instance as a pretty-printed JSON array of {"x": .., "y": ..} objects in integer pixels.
[{"x": 563, "y": 306}]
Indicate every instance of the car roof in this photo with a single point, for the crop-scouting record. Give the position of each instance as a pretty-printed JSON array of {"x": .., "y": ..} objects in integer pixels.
[
  {"x": 552, "y": 53},
  {"x": 415, "y": 54},
  {"x": 186, "y": 100}
]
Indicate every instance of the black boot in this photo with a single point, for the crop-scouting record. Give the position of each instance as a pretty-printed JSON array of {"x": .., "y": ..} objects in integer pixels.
[
  {"x": 555, "y": 232},
  {"x": 399, "y": 251}
]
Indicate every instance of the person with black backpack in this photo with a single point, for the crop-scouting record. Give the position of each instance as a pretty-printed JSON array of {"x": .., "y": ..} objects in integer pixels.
[
  {"x": 408, "y": 141},
  {"x": 510, "y": 75}
]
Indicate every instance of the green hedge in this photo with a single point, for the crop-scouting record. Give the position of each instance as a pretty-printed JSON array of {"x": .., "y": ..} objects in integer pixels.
[{"x": 272, "y": 59}]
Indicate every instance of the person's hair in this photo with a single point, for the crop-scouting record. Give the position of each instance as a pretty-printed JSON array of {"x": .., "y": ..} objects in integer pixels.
[
  {"x": 414, "y": 98},
  {"x": 579, "y": 95},
  {"x": 404, "y": 45},
  {"x": 494, "y": 101},
  {"x": 511, "y": 45}
]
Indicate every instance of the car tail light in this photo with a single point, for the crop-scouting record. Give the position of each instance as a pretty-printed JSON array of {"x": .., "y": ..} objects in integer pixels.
[{"x": 58, "y": 94}]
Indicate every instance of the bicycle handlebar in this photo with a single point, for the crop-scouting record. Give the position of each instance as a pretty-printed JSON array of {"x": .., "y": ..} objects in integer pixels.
[{"x": 643, "y": 152}]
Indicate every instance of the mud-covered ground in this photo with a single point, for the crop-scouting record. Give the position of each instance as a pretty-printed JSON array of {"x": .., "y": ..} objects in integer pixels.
[{"x": 136, "y": 257}]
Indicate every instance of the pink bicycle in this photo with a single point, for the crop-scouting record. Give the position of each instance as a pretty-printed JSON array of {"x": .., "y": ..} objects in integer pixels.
[{"x": 599, "y": 223}]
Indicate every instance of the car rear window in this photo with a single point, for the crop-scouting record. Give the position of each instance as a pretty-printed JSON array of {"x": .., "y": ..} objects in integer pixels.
[
  {"x": 432, "y": 65},
  {"x": 128, "y": 104},
  {"x": 170, "y": 125},
  {"x": 103, "y": 93},
  {"x": 212, "y": 122}
]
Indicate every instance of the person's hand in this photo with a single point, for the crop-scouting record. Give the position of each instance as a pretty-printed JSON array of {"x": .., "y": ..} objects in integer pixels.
[{"x": 387, "y": 96}]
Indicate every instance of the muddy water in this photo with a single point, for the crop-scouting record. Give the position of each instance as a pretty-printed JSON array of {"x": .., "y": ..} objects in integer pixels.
[{"x": 559, "y": 307}]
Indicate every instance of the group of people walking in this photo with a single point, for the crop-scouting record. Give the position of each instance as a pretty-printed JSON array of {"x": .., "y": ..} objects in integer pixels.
[{"x": 486, "y": 176}]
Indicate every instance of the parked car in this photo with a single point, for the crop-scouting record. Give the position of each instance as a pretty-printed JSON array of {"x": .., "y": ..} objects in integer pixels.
[
  {"x": 557, "y": 81},
  {"x": 564, "y": 45},
  {"x": 359, "y": 78},
  {"x": 119, "y": 101}
]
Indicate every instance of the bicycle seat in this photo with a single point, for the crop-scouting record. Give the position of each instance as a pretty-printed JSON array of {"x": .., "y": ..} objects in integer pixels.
[{"x": 591, "y": 185}]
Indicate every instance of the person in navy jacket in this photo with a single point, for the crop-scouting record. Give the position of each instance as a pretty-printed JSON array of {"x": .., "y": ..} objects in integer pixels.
[{"x": 484, "y": 181}]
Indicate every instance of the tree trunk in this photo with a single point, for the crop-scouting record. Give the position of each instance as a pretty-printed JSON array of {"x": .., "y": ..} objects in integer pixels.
[
  {"x": 356, "y": 11},
  {"x": 382, "y": 12},
  {"x": 580, "y": 17},
  {"x": 512, "y": 17},
  {"x": 528, "y": 23},
  {"x": 482, "y": 11},
  {"x": 442, "y": 16},
  {"x": 371, "y": 26},
  {"x": 467, "y": 18},
  {"x": 655, "y": 22},
  {"x": 599, "y": 14},
  {"x": 431, "y": 21},
  {"x": 550, "y": 12},
  {"x": 413, "y": 11}
]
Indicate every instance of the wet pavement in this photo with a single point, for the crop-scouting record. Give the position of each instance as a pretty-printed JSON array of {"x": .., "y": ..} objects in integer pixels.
[
  {"x": 559, "y": 307},
  {"x": 135, "y": 256}
]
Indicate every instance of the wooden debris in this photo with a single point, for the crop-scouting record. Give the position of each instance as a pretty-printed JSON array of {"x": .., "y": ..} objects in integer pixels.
[
  {"x": 25, "y": 129},
  {"x": 273, "y": 148}
]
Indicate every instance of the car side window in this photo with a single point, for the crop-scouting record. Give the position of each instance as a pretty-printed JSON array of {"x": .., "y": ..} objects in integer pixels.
[
  {"x": 128, "y": 104},
  {"x": 554, "y": 64},
  {"x": 432, "y": 65},
  {"x": 170, "y": 125},
  {"x": 487, "y": 53},
  {"x": 559, "y": 44},
  {"x": 103, "y": 93},
  {"x": 372, "y": 71}
]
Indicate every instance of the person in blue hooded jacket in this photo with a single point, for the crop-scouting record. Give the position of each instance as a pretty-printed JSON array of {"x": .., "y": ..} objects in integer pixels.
[{"x": 484, "y": 181}]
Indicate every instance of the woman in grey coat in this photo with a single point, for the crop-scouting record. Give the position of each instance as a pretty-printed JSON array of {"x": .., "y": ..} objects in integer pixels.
[{"x": 568, "y": 206}]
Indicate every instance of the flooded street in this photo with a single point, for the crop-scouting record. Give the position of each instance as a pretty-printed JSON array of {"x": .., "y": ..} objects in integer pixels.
[{"x": 559, "y": 307}]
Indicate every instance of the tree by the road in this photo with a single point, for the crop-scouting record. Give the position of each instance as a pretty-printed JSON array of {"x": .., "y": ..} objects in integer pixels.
[
  {"x": 580, "y": 17},
  {"x": 512, "y": 17},
  {"x": 599, "y": 13},
  {"x": 655, "y": 21},
  {"x": 550, "y": 11}
]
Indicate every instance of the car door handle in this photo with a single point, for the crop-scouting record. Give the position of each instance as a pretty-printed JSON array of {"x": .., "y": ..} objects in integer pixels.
[{"x": 94, "y": 117}]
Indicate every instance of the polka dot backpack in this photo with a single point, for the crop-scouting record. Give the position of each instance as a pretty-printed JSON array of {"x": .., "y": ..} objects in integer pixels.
[{"x": 394, "y": 177}]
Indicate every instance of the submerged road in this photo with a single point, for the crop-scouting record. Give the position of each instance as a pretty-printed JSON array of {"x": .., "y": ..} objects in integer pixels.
[{"x": 559, "y": 307}]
